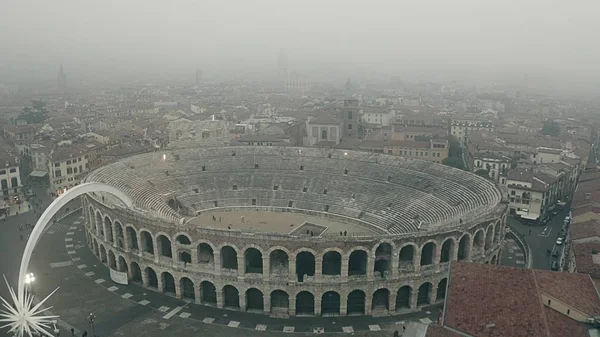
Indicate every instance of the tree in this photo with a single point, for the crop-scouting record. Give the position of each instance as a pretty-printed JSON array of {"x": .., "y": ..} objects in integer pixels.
[
  {"x": 483, "y": 173},
  {"x": 37, "y": 114},
  {"x": 550, "y": 128},
  {"x": 454, "y": 162},
  {"x": 422, "y": 138}
]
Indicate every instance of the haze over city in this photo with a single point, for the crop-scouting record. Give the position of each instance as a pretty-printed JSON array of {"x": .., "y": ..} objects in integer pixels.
[{"x": 463, "y": 39}]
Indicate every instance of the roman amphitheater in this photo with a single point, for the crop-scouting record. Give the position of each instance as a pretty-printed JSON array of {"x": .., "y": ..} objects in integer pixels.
[{"x": 293, "y": 231}]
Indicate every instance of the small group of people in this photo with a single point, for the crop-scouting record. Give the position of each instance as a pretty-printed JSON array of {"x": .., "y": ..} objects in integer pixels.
[
  {"x": 344, "y": 233},
  {"x": 27, "y": 226}
]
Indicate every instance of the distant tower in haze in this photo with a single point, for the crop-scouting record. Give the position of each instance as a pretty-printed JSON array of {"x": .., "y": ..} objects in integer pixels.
[
  {"x": 198, "y": 76},
  {"x": 282, "y": 65},
  {"x": 62, "y": 78}
]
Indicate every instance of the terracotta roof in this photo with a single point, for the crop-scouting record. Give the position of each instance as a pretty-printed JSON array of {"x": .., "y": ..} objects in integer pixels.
[
  {"x": 439, "y": 331},
  {"x": 583, "y": 258},
  {"x": 510, "y": 298},
  {"x": 520, "y": 175},
  {"x": 586, "y": 229},
  {"x": 584, "y": 209}
]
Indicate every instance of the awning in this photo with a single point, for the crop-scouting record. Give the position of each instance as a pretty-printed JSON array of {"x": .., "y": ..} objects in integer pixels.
[{"x": 38, "y": 173}]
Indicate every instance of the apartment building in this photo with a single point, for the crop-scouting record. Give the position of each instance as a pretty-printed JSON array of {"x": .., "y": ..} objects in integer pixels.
[
  {"x": 68, "y": 165},
  {"x": 462, "y": 127},
  {"x": 433, "y": 150},
  {"x": 531, "y": 194},
  {"x": 10, "y": 176}
]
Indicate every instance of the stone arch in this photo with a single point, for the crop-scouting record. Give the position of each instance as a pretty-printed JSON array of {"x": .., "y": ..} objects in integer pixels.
[
  {"x": 253, "y": 260},
  {"x": 96, "y": 248},
  {"x": 119, "y": 237},
  {"x": 358, "y": 262},
  {"x": 464, "y": 247},
  {"x": 163, "y": 243},
  {"x": 355, "y": 304},
  {"x": 99, "y": 224},
  {"x": 183, "y": 239},
  {"x": 108, "y": 229},
  {"x": 278, "y": 262},
  {"x": 208, "y": 293},
  {"x": 187, "y": 288},
  {"x": 151, "y": 277},
  {"x": 136, "y": 273},
  {"x": 478, "y": 241},
  {"x": 112, "y": 260},
  {"x": 280, "y": 301},
  {"x": 305, "y": 264},
  {"x": 407, "y": 255},
  {"x": 403, "y": 298},
  {"x": 254, "y": 300},
  {"x": 132, "y": 237},
  {"x": 489, "y": 237},
  {"x": 441, "y": 290},
  {"x": 184, "y": 256},
  {"x": 428, "y": 253},
  {"x": 423, "y": 296},
  {"x": 331, "y": 262},
  {"x": 231, "y": 297},
  {"x": 91, "y": 221},
  {"x": 447, "y": 252},
  {"x": 383, "y": 257},
  {"x": 206, "y": 253},
  {"x": 168, "y": 283},
  {"x": 229, "y": 254},
  {"x": 305, "y": 303},
  {"x": 103, "y": 257},
  {"x": 498, "y": 230},
  {"x": 330, "y": 303},
  {"x": 381, "y": 299},
  {"x": 147, "y": 242}
]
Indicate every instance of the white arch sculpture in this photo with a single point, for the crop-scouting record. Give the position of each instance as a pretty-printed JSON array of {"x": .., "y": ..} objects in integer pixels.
[{"x": 24, "y": 317}]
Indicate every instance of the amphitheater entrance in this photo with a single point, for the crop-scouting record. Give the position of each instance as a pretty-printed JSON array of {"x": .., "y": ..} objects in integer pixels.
[
  {"x": 428, "y": 254},
  {"x": 305, "y": 265},
  {"x": 208, "y": 293},
  {"x": 478, "y": 242},
  {"x": 423, "y": 295},
  {"x": 441, "y": 290},
  {"x": 330, "y": 304},
  {"x": 122, "y": 265},
  {"x": 228, "y": 258},
  {"x": 147, "y": 245},
  {"x": 332, "y": 263},
  {"x": 188, "y": 288},
  {"x": 119, "y": 235},
  {"x": 403, "y": 298},
  {"x": 463, "y": 248},
  {"x": 185, "y": 257},
  {"x": 357, "y": 263},
  {"x": 231, "y": 297},
  {"x": 447, "y": 250},
  {"x": 279, "y": 263},
  {"x": 406, "y": 257},
  {"x": 205, "y": 253},
  {"x": 381, "y": 300},
  {"x": 356, "y": 303},
  {"x": 136, "y": 273},
  {"x": 383, "y": 256},
  {"x": 109, "y": 230},
  {"x": 164, "y": 246},
  {"x": 280, "y": 302},
  {"x": 253, "y": 258},
  {"x": 133, "y": 239},
  {"x": 168, "y": 283},
  {"x": 112, "y": 261},
  {"x": 254, "y": 300},
  {"x": 152, "y": 279},
  {"x": 305, "y": 303}
]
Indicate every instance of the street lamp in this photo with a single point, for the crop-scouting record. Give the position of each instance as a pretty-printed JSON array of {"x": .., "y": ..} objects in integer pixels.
[
  {"x": 29, "y": 279},
  {"x": 91, "y": 318}
]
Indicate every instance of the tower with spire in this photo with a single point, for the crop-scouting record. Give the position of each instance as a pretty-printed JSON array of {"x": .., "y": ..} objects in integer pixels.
[{"x": 62, "y": 78}]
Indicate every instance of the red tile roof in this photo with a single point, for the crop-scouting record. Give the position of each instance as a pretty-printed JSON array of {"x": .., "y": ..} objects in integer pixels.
[
  {"x": 583, "y": 258},
  {"x": 586, "y": 229},
  {"x": 439, "y": 331},
  {"x": 510, "y": 298}
]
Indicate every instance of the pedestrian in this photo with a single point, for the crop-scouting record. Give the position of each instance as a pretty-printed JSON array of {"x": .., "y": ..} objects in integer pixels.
[
  {"x": 530, "y": 232},
  {"x": 345, "y": 233},
  {"x": 21, "y": 237},
  {"x": 396, "y": 333},
  {"x": 84, "y": 333},
  {"x": 72, "y": 332},
  {"x": 21, "y": 227}
]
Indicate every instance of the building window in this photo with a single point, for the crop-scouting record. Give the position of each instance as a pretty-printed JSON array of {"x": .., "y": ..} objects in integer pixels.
[
  {"x": 324, "y": 134},
  {"x": 68, "y": 162},
  {"x": 3, "y": 172},
  {"x": 389, "y": 151},
  {"x": 56, "y": 164},
  {"x": 13, "y": 170},
  {"x": 349, "y": 114},
  {"x": 549, "y": 302},
  {"x": 69, "y": 170},
  {"x": 57, "y": 173},
  {"x": 349, "y": 126}
]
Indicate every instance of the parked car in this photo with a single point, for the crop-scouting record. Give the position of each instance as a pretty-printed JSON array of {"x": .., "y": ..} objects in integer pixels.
[
  {"x": 560, "y": 241},
  {"x": 555, "y": 212},
  {"x": 555, "y": 266}
]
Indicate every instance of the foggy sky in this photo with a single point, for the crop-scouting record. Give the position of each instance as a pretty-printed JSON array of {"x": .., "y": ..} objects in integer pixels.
[{"x": 175, "y": 37}]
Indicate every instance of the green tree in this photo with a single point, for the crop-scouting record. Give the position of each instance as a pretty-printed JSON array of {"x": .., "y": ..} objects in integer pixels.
[
  {"x": 454, "y": 162},
  {"x": 550, "y": 128},
  {"x": 37, "y": 114},
  {"x": 483, "y": 173},
  {"x": 422, "y": 138},
  {"x": 454, "y": 149}
]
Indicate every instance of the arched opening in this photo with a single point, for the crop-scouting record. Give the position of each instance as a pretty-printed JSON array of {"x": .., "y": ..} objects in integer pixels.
[
  {"x": 332, "y": 263},
  {"x": 151, "y": 277},
  {"x": 136, "y": 273},
  {"x": 478, "y": 241},
  {"x": 464, "y": 248},
  {"x": 168, "y": 283},
  {"x": 357, "y": 263},
  {"x": 406, "y": 257},
  {"x": 228, "y": 258},
  {"x": 147, "y": 244},
  {"x": 109, "y": 231},
  {"x": 164, "y": 246},
  {"x": 280, "y": 302},
  {"x": 447, "y": 250},
  {"x": 185, "y": 257},
  {"x": 428, "y": 254},
  {"x": 305, "y": 303},
  {"x": 112, "y": 261},
  {"x": 383, "y": 256},
  {"x": 403, "y": 297},
  {"x": 381, "y": 300},
  {"x": 254, "y": 300},
  {"x": 133, "y": 239},
  {"x": 90, "y": 218},
  {"x": 231, "y": 297},
  {"x": 305, "y": 265},
  {"x": 102, "y": 254},
  {"x": 183, "y": 239},
  {"x": 205, "y": 254},
  {"x": 423, "y": 295},
  {"x": 187, "y": 287},
  {"x": 330, "y": 303},
  {"x": 356, "y": 303},
  {"x": 99, "y": 225},
  {"x": 96, "y": 248},
  {"x": 279, "y": 263},
  {"x": 208, "y": 293},
  {"x": 253, "y": 259},
  {"x": 489, "y": 238},
  {"x": 119, "y": 235},
  {"x": 441, "y": 290},
  {"x": 323, "y": 134}
]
